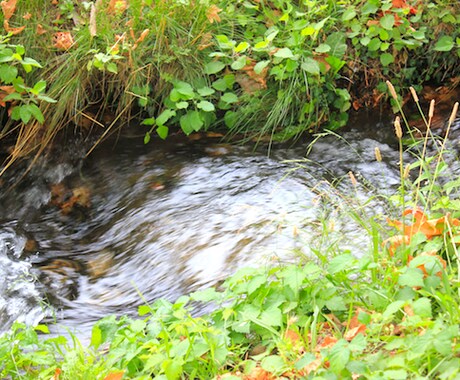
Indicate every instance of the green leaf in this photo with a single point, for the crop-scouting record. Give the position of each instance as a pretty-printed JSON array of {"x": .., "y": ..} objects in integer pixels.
[
  {"x": 36, "y": 113},
  {"x": 393, "y": 308},
  {"x": 30, "y": 62},
  {"x": 365, "y": 41},
  {"x": 25, "y": 113},
  {"x": 274, "y": 364},
  {"x": 8, "y": 73},
  {"x": 42, "y": 328},
  {"x": 207, "y": 295},
  {"x": 162, "y": 131},
  {"x": 182, "y": 105},
  {"x": 374, "y": 44},
  {"x": 386, "y": 59},
  {"x": 258, "y": 68},
  {"x": 12, "y": 96},
  {"x": 349, "y": 14},
  {"x": 46, "y": 98},
  {"x": 172, "y": 368},
  {"x": 206, "y": 106},
  {"x": 422, "y": 307},
  {"x": 144, "y": 309},
  {"x": 323, "y": 48},
  {"x": 165, "y": 116},
  {"x": 311, "y": 66},
  {"x": 284, "y": 53},
  {"x": 387, "y": 21},
  {"x": 39, "y": 87},
  {"x": 16, "y": 113},
  {"x": 239, "y": 63},
  {"x": 272, "y": 317},
  {"x": 445, "y": 43},
  {"x": 147, "y": 138},
  {"x": 213, "y": 67},
  {"x": 229, "y": 97},
  {"x": 340, "y": 263},
  {"x": 112, "y": 67},
  {"x": 230, "y": 118},
  {"x": 184, "y": 89},
  {"x": 220, "y": 84},
  {"x": 412, "y": 277},
  {"x": 241, "y": 47},
  {"x": 190, "y": 122},
  {"x": 339, "y": 356},
  {"x": 96, "y": 336},
  {"x": 148, "y": 121},
  {"x": 205, "y": 91}
]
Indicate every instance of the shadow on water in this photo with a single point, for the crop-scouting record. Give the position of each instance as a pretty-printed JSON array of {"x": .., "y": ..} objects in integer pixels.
[{"x": 164, "y": 220}]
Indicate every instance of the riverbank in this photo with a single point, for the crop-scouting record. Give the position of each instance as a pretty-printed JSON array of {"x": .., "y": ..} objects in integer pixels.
[{"x": 254, "y": 69}]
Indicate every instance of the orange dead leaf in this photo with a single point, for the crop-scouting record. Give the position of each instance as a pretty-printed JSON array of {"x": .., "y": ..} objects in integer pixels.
[
  {"x": 212, "y": 14},
  {"x": 14, "y": 31},
  {"x": 442, "y": 262},
  {"x": 328, "y": 341},
  {"x": 259, "y": 374},
  {"x": 117, "y": 6},
  {"x": 57, "y": 373},
  {"x": 355, "y": 327},
  {"x": 115, "y": 375},
  {"x": 63, "y": 40},
  {"x": 313, "y": 366},
  {"x": 4, "y": 91},
  {"x": 27, "y": 16},
  {"x": 40, "y": 29},
  {"x": 8, "y": 8},
  {"x": 144, "y": 34}
]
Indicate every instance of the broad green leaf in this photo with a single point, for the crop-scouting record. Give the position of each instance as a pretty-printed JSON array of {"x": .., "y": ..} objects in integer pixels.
[
  {"x": 241, "y": 47},
  {"x": 25, "y": 113},
  {"x": 42, "y": 328},
  {"x": 261, "y": 45},
  {"x": 386, "y": 59},
  {"x": 365, "y": 41},
  {"x": 274, "y": 364},
  {"x": 412, "y": 277},
  {"x": 284, "y": 53},
  {"x": 230, "y": 118},
  {"x": 31, "y": 62},
  {"x": 148, "y": 121},
  {"x": 393, "y": 308},
  {"x": 36, "y": 113},
  {"x": 220, "y": 84},
  {"x": 190, "y": 122},
  {"x": 39, "y": 87},
  {"x": 12, "y": 96},
  {"x": 162, "y": 131},
  {"x": 311, "y": 66},
  {"x": 258, "y": 68},
  {"x": 172, "y": 368},
  {"x": 272, "y": 317},
  {"x": 374, "y": 44},
  {"x": 349, "y": 14},
  {"x": 340, "y": 263},
  {"x": 336, "y": 303},
  {"x": 387, "y": 21},
  {"x": 147, "y": 138},
  {"x": 181, "y": 105},
  {"x": 112, "y": 68},
  {"x": 445, "y": 43},
  {"x": 213, "y": 67},
  {"x": 8, "y": 73},
  {"x": 144, "y": 309},
  {"x": 308, "y": 31},
  {"x": 323, "y": 48},
  {"x": 339, "y": 356},
  {"x": 239, "y": 63},
  {"x": 185, "y": 89},
  {"x": 165, "y": 116},
  {"x": 422, "y": 307},
  {"x": 205, "y": 91},
  {"x": 96, "y": 336},
  {"x": 229, "y": 97},
  {"x": 207, "y": 295},
  {"x": 369, "y": 7},
  {"x": 16, "y": 113}
]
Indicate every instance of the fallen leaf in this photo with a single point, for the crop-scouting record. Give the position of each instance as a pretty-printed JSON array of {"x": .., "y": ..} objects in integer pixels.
[
  {"x": 27, "y": 16},
  {"x": 14, "y": 31},
  {"x": 115, "y": 375},
  {"x": 57, "y": 373},
  {"x": 92, "y": 21},
  {"x": 8, "y": 8},
  {"x": 212, "y": 14},
  {"x": 40, "y": 29},
  {"x": 259, "y": 374},
  {"x": 63, "y": 40}
]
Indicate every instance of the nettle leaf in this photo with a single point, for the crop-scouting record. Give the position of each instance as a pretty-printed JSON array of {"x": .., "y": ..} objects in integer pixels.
[
  {"x": 445, "y": 43},
  {"x": 311, "y": 66},
  {"x": 214, "y": 67}
]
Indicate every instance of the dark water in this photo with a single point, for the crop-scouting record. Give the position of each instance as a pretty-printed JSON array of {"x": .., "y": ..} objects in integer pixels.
[{"x": 163, "y": 220}]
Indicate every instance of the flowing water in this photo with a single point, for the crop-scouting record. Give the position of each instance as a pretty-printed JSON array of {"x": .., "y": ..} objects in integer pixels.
[{"x": 83, "y": 238}]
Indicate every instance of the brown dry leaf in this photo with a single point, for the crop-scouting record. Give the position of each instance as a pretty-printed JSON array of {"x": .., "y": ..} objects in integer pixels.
[
  {"x": 117, "y": 6},
  {"x": 14, "y": 31},
  {"x": 92, "y": 21},
  {"x": 115, "y": 375},
  {"x": 40, "y": 29},
  {"x": 27, "y": 16},
  {"x": 63, "y": 40},
  {"x": 259, "y": 374},
  {"x": 212, "y": 14},
  {"x": 313, "y": 366},
  {"x": 57, "y": 374},
  {"x": 8, "y": 8},
  {"x": 355, "y": 327},
  {"x": 4, "y": 91},
  {"x": 409, "y": 311},
  {"x": 206, "y": 41},
  {"x": 143, "y": 35}
]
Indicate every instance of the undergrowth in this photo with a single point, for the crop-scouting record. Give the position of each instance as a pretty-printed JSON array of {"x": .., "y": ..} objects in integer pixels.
[{"x": 390, "y": 312}]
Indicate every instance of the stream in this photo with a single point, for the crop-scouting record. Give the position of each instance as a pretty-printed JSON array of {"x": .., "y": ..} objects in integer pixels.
[{"x": 81, "y": 238}]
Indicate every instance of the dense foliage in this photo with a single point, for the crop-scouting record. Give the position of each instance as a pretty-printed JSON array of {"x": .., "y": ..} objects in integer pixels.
[{"x": 274, "y": 68}]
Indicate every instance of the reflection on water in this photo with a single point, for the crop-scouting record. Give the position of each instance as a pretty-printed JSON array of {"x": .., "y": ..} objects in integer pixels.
[{"x": 162, "y": 221}]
